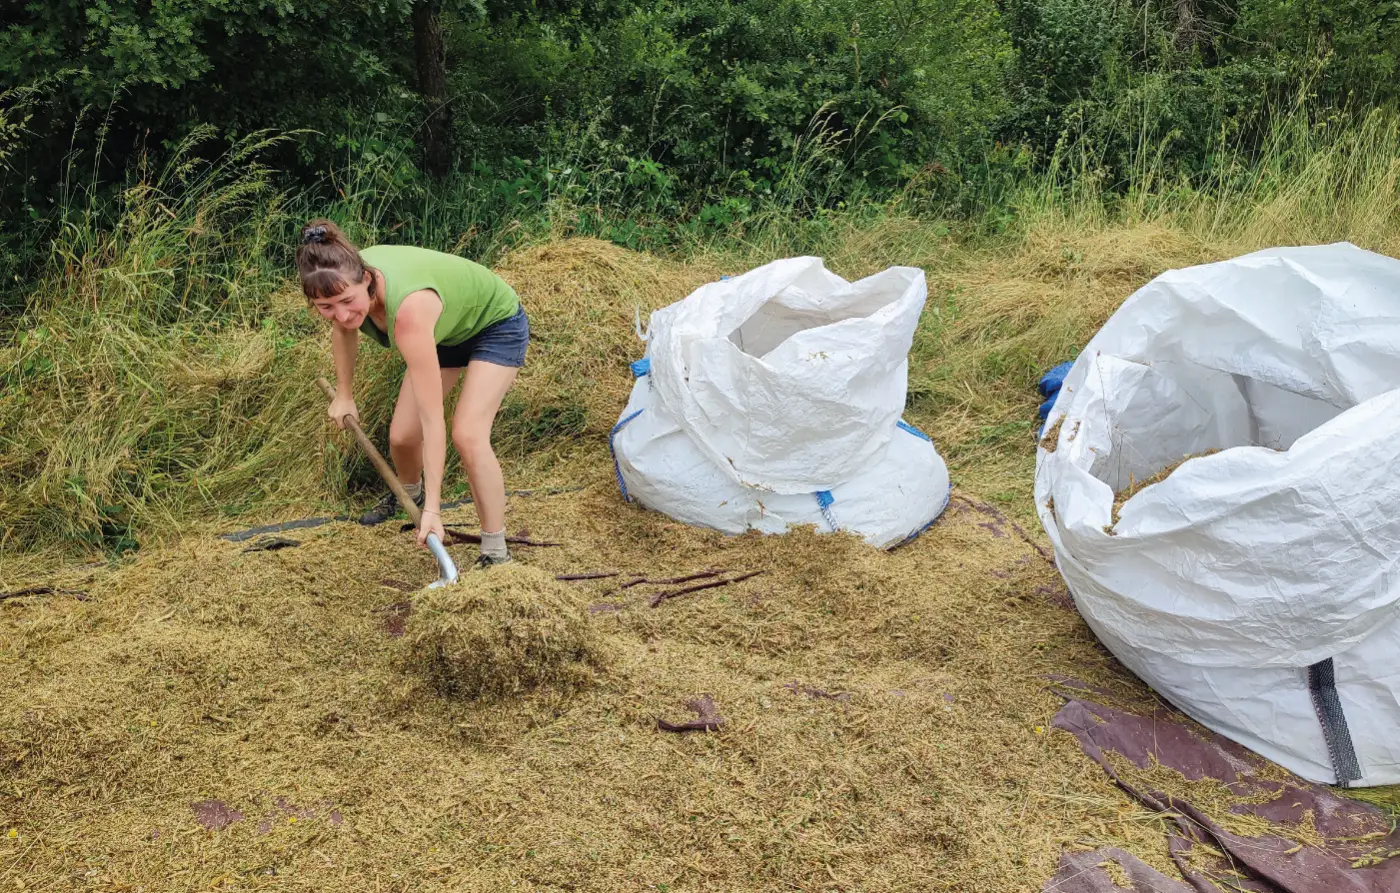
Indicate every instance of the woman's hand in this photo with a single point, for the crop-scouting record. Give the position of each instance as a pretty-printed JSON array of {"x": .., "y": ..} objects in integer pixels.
[
  {"x": 342, "y": 407},
  {"x": 432, "y": 523}
]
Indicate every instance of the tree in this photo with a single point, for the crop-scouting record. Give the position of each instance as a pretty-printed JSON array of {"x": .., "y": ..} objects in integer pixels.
[
  {"x": 157, "y": 70},
  {"x": 431, "y": 58}
]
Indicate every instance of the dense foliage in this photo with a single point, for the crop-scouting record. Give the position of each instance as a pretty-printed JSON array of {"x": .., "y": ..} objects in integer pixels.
[
  {"x": 716, "y": 94},
  {"x": 693, "y": 111}
]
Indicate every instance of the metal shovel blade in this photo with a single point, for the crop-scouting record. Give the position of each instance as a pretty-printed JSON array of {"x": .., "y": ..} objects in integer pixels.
[{"x": 445, "y": 566}]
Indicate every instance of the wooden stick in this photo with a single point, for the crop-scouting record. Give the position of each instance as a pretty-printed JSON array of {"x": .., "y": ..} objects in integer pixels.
[
  {"x": 673, "y": 593},
  {"x": 702, "y": 575},
  {"x": 570, "y": 578},
  {"x": 455, "y": 537},
  {"x": 381, "y": 466},
  {"x": 43, "y": 590}
]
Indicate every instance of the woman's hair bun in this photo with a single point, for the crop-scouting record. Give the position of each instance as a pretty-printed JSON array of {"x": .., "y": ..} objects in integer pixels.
[{"x": 327, "y": 261}]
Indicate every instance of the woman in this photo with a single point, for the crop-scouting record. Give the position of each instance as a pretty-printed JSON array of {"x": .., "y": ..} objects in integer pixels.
[{"x": 444, "y": 314}]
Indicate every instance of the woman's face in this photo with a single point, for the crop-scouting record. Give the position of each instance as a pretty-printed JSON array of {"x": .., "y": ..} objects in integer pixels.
[{"x": 347, "y": 309}]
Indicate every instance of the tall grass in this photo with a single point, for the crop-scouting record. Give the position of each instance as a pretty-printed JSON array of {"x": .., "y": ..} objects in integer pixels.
[
  {"x": 150, "y": 380},
  {"x": 159, "y": 375},
  {"x": 1315, "y": 177}
]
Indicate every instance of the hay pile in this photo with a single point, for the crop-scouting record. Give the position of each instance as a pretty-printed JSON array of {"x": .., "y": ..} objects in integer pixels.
[
  {"x": 582, "y": 296},
  {"x": 502, "y": 632}
]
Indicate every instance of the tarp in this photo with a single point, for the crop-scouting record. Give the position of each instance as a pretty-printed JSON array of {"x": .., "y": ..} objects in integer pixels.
[
  {"x": 1049, "y": 386},
  {"x": 1354, "y": 845}
]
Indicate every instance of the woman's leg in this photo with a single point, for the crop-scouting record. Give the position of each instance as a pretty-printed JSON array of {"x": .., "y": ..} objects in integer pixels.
[
  {"x": 406, "y": 430},
  {"x": 482, "y": 391}
]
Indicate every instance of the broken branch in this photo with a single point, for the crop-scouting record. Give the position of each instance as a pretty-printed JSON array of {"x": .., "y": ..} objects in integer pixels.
[
  {"x": 672, "y": 581},
  {"x": 676, "y": 593},
  {"x": 702, "y": 575},
  {"x": 455, "y": 537},
  {"x": 707, "y": 718}
]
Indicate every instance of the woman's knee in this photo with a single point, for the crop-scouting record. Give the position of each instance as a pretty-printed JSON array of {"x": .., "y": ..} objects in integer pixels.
[
  {"x": 472, "y": 444},
  {"x": 405, "y": 432}
]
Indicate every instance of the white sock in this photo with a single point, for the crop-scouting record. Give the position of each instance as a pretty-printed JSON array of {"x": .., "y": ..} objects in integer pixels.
[
  {"x": 415, "y": 489},
  {"x": 493, "y": 545}
]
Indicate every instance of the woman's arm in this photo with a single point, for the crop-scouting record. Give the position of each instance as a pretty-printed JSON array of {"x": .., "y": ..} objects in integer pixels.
[
  {"x": 344, "y": 347},
  {"x": 413, "y": 332}
]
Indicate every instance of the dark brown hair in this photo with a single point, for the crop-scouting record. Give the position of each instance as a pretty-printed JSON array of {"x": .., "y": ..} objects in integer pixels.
[{"x": 328, "y": 262}]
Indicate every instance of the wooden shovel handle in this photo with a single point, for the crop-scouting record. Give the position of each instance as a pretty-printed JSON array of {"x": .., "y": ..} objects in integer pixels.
[{"x": 381, "y": 466}]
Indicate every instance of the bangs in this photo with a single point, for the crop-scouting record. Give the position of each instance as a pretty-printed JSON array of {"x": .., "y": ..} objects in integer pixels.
[{"x": 318, "y": 285}]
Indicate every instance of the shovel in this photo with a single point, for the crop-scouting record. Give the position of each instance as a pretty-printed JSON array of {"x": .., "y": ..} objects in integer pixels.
[{"x": 445, "y": 565}]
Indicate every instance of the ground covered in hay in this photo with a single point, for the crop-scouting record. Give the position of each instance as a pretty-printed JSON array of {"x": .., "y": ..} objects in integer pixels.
[
  {"x": 204, "y": 717},
  {"x": 212, "y": 717},
  {"x": 884, "y": 720}
]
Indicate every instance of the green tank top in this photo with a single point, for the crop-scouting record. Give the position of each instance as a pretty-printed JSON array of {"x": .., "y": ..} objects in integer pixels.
[{"x": 473, "y": 297}]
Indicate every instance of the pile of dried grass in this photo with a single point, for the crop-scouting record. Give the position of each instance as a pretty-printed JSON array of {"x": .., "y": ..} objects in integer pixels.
[
  {"x": 887, "y": 719},
  {"x": 502, "y": 632},
  {"x": 887, "y": 715},
  {"x": 582, "y": 296}
]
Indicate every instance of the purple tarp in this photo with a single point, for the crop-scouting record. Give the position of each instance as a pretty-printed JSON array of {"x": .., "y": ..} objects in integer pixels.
[{"x": 1357, "y": 836}]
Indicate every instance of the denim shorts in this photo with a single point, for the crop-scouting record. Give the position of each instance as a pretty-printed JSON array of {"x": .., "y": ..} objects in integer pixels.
[{"x": 502, "y": 344}]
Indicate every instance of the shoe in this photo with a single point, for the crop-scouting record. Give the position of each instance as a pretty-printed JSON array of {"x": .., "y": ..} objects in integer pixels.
[
  {"x": 485, "y": 561},
  {"x": 387, "y": 507}
]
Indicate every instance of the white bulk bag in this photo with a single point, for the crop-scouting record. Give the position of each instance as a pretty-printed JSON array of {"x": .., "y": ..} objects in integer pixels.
[
  {"x": 900, "y": 492},
  {"x": 788, "y": 378},
  {"x": 1257, "y": 588}
]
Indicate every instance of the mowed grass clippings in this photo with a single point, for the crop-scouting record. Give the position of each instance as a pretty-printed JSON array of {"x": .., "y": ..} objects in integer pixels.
[
  {"x": 503, "y": 631},
  {"x": 1121, "y": 498},
  {"x": 885, "y": 720},
  {"x": 583, "y": 297}
]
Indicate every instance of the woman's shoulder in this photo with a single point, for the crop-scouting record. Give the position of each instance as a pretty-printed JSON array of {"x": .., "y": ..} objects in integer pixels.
[
  {"x": 424, "y": 258},
  {"x": 390, "y": 252}
]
